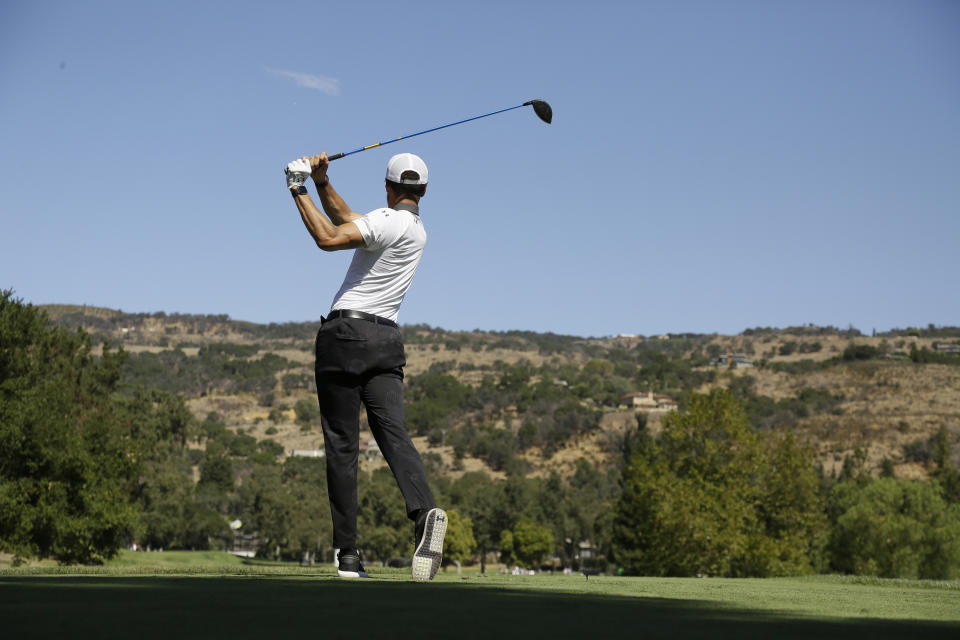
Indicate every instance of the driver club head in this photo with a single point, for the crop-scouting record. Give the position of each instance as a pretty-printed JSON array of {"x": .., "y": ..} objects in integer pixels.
[{"x": 542, "y": 109}]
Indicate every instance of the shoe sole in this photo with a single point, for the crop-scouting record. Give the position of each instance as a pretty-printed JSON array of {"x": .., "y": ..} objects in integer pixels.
[
  {"x": 429, "y": 553},
  {"x": 351, "y": 574}
]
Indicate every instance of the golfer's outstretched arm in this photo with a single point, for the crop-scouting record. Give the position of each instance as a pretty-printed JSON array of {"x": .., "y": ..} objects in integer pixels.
[
  {"x": 328, "y": 236},
  {"x": 333, "y": 205}
]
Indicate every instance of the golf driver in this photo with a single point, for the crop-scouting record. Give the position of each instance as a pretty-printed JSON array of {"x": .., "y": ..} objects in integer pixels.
[{"x": 541, "y": 108}]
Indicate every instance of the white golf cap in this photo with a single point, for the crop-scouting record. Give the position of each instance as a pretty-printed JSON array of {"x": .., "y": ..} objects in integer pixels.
[{"x": 406, "y": 162}]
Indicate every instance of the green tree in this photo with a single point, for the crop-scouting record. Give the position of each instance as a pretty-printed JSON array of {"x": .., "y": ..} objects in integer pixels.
[
  {"x": 268, "y": 509},
  {"x": 859, "y": 352},
  {"x": 307, "y": 410},
  {"x": 480, "y": 498},
  {"x": 432, "y": 400},
  {"x": 941, "y": 448},
  {"x": 383, "y": 527},
  {"x": 216, "y": 470},
  {"x": 309, "y": 524},
  {"x": 710, "y": 497},
  {"x": 65, "y": 468},
  {"x": 787, "y": 348},
  {"x": 506, "y": 547},
  {"x": 790, "y": 510},
  {"x": 459, "y": 543},
  {"x": 287, "y": 506},
  {"x": 173, "y": 513},
  {"x": 165, "y": 522},
  {"x": 589, "y": 502},
  {"x": 895, "y": 529},
  {"x": 532, "y": 543}
]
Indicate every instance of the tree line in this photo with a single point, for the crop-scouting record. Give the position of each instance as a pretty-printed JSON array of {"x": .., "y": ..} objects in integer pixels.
[{"x": 86, "y": 469}]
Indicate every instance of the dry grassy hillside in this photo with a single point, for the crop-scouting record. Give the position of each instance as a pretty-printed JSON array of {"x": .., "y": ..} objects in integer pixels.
[
  {"x": 887, "y": 404},
  {"x": 886, "y": 407}
]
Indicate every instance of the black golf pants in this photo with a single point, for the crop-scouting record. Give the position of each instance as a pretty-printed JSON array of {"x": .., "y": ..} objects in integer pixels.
[{"x": 360, "y": 362}]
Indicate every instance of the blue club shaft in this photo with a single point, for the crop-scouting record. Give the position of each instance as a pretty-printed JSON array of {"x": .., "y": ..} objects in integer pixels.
[{"x": 420, "y": 133}]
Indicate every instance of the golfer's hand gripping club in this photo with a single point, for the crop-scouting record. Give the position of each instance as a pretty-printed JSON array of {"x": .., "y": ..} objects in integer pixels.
[
  {"x": 318, "y": 168},
  {"x": 297, "y": 173}
]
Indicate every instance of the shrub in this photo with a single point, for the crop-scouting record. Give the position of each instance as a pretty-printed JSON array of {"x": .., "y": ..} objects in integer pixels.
[
  {"x": 859, "y": 352},
  {"x": 811, "y": 347},
  {"x": 787, "y": 348},
  {"x": 895, "y": 529},
  {"x": 307, "y": 410}
]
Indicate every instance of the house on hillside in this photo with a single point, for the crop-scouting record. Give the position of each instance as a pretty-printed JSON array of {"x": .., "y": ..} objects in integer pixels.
[
  {"x": 648, "y": 402},
  {"x": 307, "y": 453},
  {"x": 638, "y": 401},
  {"x": 625, "y": 340},
  {"x": 735, "y": 360},
  {"x": 664, "y": 402},
  {"x": 948, "y": 348},
  {"x": 370, "y": 449}
]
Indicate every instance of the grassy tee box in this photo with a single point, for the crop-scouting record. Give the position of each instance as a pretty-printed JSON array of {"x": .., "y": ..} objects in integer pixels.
[{"x": 207, "y": 595}]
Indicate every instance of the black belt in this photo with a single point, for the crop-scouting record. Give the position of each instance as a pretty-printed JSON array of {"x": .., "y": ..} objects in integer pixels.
[{"x": 360, "y": 315}]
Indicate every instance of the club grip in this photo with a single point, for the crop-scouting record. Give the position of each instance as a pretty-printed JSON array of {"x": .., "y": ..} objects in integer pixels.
[{"x": 335, "y": 156}]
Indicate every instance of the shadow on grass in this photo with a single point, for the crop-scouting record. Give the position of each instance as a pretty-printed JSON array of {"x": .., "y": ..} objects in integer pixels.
[{"x": 180, "y": 608}]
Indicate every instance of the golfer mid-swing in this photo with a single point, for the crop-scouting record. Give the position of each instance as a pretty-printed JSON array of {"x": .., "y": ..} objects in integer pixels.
[{"x": 359, "y": 349}]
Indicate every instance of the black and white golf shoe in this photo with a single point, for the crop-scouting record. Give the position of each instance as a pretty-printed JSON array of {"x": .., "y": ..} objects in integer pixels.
[
  {"x": 348, "y": 564},
  {"x": 431, "y": 527}
]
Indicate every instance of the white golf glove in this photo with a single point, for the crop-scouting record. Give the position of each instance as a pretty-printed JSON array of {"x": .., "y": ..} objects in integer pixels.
[{"x": 297, "y": 173}]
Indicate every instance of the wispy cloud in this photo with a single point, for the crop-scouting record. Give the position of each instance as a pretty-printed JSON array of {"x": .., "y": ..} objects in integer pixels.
[{"x": 330, "y": 86}]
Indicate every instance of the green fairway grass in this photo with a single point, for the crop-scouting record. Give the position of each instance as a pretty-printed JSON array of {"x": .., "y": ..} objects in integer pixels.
[
  {"x": 175, "y": 559},
  {"x": 182, "y": 595}
]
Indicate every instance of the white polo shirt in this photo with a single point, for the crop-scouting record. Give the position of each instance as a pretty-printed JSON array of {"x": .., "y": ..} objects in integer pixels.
[{"x": 381, "y": 272}]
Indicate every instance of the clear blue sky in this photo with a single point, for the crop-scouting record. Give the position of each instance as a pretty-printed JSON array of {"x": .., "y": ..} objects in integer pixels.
[{"x": 712, "y": 166}]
